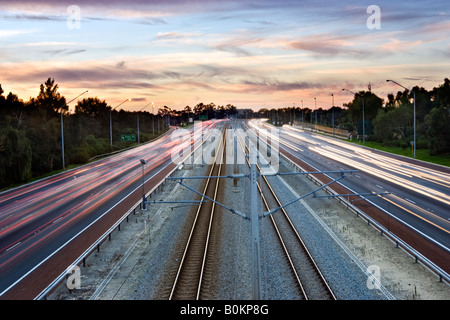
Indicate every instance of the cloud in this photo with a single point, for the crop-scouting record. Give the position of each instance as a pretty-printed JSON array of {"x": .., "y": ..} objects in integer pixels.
[
  {"x": 395, "y": 45},
  {"x": 120, "y": 64},
  {"x": 14, "y": 32},
  {"x": 326, "y": 45},
  {"x": 236, "y": 46},
  {"x": 170, "y": 35},
  {"x": 63, "y": 52},
  {"x": 91, "y": 74},
  {"x": 37, "y": 17},
  {"x": 276, "y": 85}
]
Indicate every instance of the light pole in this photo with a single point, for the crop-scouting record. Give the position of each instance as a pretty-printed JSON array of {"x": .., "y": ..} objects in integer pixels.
[
  {"x": 315, "y": 111},
  {"x": 302, "y": 112},
  {"x": 138, "y": 120},
  {"x": 153, "y": 121},
  {"x": 110, "y": 119},
  {"x": 414, "y": 98},
  {"x": 364, "y": 124},
  {"x": 157, "y": 120},
  {"x": 143, "y": 162},
  {"x": 62, "y": 130},
  {"x": 293, "y": 121},
  {"x": 332, "y": 111}
]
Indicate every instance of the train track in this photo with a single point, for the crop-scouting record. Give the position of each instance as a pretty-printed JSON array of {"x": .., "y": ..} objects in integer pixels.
[
  {"x": 191, "y": 270},
  {"x": 308, "y": 277}
]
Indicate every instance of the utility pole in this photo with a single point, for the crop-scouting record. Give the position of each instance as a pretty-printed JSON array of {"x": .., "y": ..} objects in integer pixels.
[{"x": 332, "y": 111}]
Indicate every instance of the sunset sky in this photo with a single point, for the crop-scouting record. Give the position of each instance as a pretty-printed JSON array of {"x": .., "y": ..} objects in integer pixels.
[{"x": 251, "y": 54}]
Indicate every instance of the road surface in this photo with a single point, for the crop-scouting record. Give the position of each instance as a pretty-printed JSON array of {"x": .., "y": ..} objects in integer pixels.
[{"x": 41, "y": 219}]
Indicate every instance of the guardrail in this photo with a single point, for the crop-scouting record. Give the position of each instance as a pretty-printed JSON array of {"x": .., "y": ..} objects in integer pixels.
[{"x": 398, "y": 241}]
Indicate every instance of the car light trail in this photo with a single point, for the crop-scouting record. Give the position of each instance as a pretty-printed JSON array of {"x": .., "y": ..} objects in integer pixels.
[
  {"x": 425, "y": 212},
  {"x": 372, "y": 169}
]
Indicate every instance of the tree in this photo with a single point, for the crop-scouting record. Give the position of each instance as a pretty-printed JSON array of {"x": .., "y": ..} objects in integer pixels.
[
  {"x": 393, "y": 124},
  {"x": 439, "y": 130},
  {"x": 50, "y": 99},
  {"x": 442, "y": 94},
  {"x": 92, "y": 107},
  {"x": 372, "y": 103},
  {"x": 199, "y": 108},
  {"x": 15, "y": 157}
]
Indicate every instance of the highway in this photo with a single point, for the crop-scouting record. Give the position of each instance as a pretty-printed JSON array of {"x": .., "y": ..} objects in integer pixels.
[
  {"x": 40, "y": 219},
  {"x": 46, "y": 225},
  {"x": 419, "y": 191}
]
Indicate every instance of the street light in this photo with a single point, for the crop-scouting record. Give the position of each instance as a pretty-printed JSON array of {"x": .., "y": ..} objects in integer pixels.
[
  {"x": 293, "y": 121},
  {"x": 302, "y": 111},
  {"x": 315, "y": 111},
  {"x": 110, "y": 119},
  {"x": 138, "y": 119},
  {"x": 143, "y": 162},
  {"x": 414, "y": 97},
  {"x": 62, "y": 130},
  {"x": 153, "y": 121},
  {"x": 363, "y": 120},
  {"x": 332, "y": 111},
  {"x": 157, "y": 119}
]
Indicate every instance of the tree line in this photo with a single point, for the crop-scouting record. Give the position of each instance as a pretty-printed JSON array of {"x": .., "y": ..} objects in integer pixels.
[
  {"x": 389, "y": 122},
  {"x": 30, "y": 131}
]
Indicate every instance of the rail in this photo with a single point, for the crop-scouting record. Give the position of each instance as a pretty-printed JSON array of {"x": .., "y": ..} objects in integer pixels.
[
  {"x": 58, "y": 280},
  {"x": 300, "y": 259},
  {"x": 189, "y": 277}
]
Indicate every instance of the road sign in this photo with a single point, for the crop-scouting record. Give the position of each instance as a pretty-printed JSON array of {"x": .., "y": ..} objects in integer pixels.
[
  {"x": 128, "y": 137},
  {"x": 203, "y": 117}
]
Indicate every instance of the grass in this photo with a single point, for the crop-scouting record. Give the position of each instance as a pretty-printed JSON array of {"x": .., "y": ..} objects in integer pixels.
[{"x": 421, "y": 154}]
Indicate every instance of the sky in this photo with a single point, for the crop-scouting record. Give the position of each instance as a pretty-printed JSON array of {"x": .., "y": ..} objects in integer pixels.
[{"x": 252, "y": 54}]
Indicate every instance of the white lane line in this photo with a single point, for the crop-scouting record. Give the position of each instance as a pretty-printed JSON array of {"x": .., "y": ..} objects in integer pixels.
[{"x": 13, "y": 246}]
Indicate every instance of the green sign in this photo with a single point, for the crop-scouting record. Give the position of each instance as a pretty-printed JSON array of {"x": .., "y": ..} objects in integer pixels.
[
  {"x": 203, "y": 117},
  {"x": 128, "y": 137}
]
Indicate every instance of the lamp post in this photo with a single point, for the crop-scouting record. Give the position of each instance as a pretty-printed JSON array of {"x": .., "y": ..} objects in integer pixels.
[
  {"x": 315, "y": 111},
  {"x": 332, "y": 111},
  {"x": 363, "y": 120},
  {"x": 153, "y": 121},
  {"x": 138, "y": 120},
  {"x": 110, "y": 119},
  {"x": 414, "y": 98},
  {"x": 157, "y": 120},
  {"x": 143, "y": 162},
  {"x": 302, "y": 112},
  {"x": 62, "y": 130}
]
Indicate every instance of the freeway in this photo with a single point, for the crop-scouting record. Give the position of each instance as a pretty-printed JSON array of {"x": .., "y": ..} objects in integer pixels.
[
  {"x": 43, "y": 218},
  {"x": 419, "y": 192}
]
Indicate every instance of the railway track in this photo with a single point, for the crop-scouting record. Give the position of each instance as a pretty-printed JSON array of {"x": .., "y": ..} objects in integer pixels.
[
  {"x": 191, "y": 270},
  {"x": 308, "y": 277}
]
